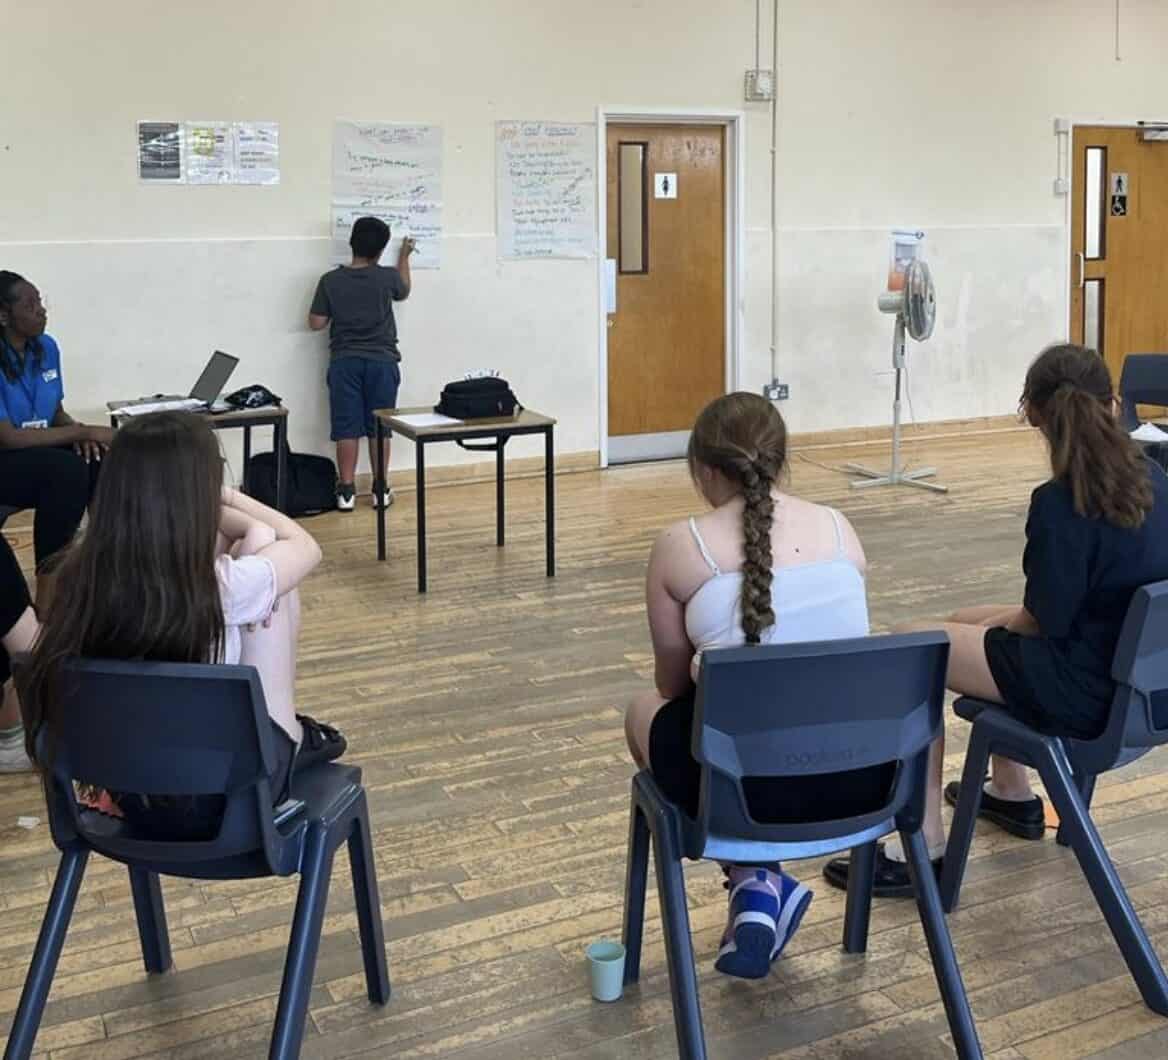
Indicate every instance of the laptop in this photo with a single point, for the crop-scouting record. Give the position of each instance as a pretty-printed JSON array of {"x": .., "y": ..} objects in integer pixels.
[{"x": 203, "y": 394}]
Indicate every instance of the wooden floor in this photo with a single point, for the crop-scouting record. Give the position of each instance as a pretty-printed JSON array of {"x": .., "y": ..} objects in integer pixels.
[{"x": 487, "y": 719}]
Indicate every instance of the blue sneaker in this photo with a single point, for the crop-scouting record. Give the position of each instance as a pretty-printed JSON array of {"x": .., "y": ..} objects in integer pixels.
[
  {"x": 763, "y": 918},
  {"x": 796, "y": 899}
]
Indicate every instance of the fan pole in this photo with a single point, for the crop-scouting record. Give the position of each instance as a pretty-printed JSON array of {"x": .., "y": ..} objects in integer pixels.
[{"x": 896, "y": 474}]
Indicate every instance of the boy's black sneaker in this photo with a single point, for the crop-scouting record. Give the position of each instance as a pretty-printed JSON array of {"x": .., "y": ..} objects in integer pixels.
[{"x": 346, "y": 496}]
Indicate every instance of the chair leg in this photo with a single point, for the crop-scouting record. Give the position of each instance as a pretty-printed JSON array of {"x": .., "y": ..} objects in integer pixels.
[
  {"x": 315, "y": 870},
  {"x": 861, "y": 871},
  {"x": 977, "y": 758},
  {"x": 151, "y": 914},
  {"x": 1105, "y": 884},
  {"x": 1085, "y": 783},
  {"x": 27, "y": 1020},
  {"x": 636, "y": 880},
  {"x": 683, "y": 981},
  {"x": 941, "y": 947},
  {"x": 368, "y": 900}
]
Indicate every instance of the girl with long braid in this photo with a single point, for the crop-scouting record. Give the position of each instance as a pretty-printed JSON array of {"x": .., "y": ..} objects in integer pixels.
[{"x": 761, "y": 567}]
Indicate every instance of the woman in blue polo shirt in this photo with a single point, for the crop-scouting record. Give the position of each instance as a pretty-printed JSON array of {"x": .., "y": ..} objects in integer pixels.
[{"x": 48, "y": 461}]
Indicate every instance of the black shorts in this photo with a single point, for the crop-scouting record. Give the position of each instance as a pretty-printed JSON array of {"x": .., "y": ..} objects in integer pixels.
[
  {"x": 1003, "y": 651},
  {"x": 358, "y": 387},
  {"x": 197, "y": 817},
  {"x": 771, "y": 800}
]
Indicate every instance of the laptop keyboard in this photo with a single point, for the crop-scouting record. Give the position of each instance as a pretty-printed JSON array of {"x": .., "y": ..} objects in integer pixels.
[{"x": 142, "y": 408}]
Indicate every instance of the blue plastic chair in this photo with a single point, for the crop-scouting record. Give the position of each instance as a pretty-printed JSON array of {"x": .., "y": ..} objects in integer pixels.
[
  {"x": 185, "y": 729},
  {"x": 1068, "y": 768},
  {"x": 1143, "y": 381},
  {"x": 796, "y": 710}
]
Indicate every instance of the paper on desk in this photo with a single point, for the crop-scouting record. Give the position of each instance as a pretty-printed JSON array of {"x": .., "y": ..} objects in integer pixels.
[
  {"x": 1149, "y": 432},
  {"x": 434, "y": 419}
]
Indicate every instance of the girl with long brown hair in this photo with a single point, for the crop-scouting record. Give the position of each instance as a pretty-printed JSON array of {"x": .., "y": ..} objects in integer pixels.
[
  {"x": 761, "y": 567},
  {"x": 175, "y": 567},
  {"x": 1096, "y": 531}
]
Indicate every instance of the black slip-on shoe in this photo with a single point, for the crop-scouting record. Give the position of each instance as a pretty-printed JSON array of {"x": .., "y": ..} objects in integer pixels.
[
  {"x": 1026, "y": 820},
  {"x": 890, "y": 880}
]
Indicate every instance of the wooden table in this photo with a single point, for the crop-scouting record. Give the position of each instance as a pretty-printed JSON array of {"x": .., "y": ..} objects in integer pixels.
[
  {"x": 274, "y": 416},
  {"x": 389, "y": 421}
]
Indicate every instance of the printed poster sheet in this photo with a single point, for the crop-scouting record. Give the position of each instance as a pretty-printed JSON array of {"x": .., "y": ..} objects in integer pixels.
[
  {"x": 209, "y": 152},
  {"x": 546, "y": 189},
  {"x": 257, "y": 152},
  {"x": 160, "y": 152},
  {"x": 393, "y": 172}
]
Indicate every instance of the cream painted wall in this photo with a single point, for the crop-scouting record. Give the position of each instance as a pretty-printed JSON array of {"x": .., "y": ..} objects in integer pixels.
[{"x": 936, "y": 113}]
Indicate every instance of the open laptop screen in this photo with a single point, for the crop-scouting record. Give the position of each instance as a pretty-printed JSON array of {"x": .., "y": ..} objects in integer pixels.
[{"x": 214, "y": 377}]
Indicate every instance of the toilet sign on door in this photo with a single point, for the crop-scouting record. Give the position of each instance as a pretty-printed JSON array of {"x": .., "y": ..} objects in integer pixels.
[
  {"x": 665, "y": 185},
  {"x": 1119, "y": 193}
]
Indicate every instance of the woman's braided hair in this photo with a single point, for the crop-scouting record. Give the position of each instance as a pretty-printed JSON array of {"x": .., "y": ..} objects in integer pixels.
[
  {"x": 744, "y": 437},
  {"x": 1068, "y": 395}
]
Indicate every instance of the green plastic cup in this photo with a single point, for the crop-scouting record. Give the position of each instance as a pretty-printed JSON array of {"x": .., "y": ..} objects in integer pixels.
[{"x": 606, "y": 969}]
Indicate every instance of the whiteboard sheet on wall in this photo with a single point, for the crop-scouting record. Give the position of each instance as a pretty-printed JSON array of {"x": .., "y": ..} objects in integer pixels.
[
  {"x": 393, "y": 172},
  {"x": 545, "y": 189}
]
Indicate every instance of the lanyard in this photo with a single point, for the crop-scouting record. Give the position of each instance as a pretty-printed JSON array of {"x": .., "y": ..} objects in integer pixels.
[{"x": 26, "y": 362}]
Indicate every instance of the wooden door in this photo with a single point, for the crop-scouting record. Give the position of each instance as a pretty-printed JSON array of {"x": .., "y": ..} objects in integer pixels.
[
  {"x": 667, "y": 236},
  {"x": 1119, "y": 244}
]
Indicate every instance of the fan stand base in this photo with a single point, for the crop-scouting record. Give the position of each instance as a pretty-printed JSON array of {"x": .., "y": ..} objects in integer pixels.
[
  {"x": 896, "y": 474},
  {"x": 895, "y": 478}
]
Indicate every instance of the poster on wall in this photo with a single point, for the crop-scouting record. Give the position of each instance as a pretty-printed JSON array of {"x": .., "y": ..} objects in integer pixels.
[
  {"x": 160, "y": 152},
  {"x": 210, "y": 152},
  {"x": 545, "y": 189},
  {"x": 257, "y": 152},
  {"x": 393, "y": 172}
]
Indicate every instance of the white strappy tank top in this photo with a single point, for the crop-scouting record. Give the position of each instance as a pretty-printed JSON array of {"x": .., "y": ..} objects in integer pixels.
[{"x": 825, "y": 600}]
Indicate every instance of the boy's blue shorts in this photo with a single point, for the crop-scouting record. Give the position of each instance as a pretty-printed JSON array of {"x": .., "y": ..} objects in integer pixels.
[{"x": 358, "y": 386}]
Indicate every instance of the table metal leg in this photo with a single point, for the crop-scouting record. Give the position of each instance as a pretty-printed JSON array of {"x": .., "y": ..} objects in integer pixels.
[
  {"x": 500, "y": 493},
  {"x": 420, "y": 466},
  {"x": 280, "y": 441},
  {"x": 549, "y": 477},
  {"x": 247, "y": 455},
  {"x": 379, "y": 491}
]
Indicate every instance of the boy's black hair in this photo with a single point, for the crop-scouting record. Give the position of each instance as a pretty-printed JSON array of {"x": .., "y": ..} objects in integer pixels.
[{"x": 369, "y": 237}]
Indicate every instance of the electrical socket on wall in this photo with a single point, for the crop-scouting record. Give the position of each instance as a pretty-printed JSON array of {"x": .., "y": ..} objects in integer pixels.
[
  {"x": 776, "y": 391},
  {"x": 760, "y": 86}
]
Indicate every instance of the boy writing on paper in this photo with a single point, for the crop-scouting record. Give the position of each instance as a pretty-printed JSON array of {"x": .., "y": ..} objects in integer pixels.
[{"x": 365, "y": 366}]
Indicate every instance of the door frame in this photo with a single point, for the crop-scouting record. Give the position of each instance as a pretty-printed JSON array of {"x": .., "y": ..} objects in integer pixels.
[
  {"x": 1068, "y": 219},
  {"x": 734, "y": 122}
]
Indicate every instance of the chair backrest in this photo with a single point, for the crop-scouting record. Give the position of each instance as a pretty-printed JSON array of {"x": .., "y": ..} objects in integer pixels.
[
  {"x": 1139, "y": 709},
  {"x": 823, "y": 709},
  {"x": 164, "y": 729},
  {"x": 1143, "y": 381}
]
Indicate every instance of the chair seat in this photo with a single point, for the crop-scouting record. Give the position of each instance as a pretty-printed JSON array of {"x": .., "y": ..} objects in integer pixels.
[
  {"x": 326, "y": 790},
  {"x": 969, "y": 708}
]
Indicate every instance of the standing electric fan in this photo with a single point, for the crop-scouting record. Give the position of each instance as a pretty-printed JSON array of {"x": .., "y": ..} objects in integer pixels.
[{"x": 915, "y": 307}]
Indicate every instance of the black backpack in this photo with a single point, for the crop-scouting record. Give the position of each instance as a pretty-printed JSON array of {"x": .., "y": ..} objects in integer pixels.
[
  {"x": 311, "y": 486},
  {"x": 477, "y": 399}
]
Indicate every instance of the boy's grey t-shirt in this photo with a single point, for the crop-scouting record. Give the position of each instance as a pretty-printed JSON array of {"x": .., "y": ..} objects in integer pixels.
[{"x": 359, "y": 304}]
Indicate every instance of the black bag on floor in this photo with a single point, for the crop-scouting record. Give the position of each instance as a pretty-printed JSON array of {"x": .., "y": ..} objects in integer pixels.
[
  {"x": 311, "y": 486},
  {"x": 477, "y": 399}
]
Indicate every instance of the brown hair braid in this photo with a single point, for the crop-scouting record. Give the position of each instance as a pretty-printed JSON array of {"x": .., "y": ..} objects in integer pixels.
[
  {"x": 743, "y": 436},
  {"x": 1068, "y": 395}
]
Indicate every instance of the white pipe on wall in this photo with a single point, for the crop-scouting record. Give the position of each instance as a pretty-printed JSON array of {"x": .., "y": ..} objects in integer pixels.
[{"x": 774, "y": 197}]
